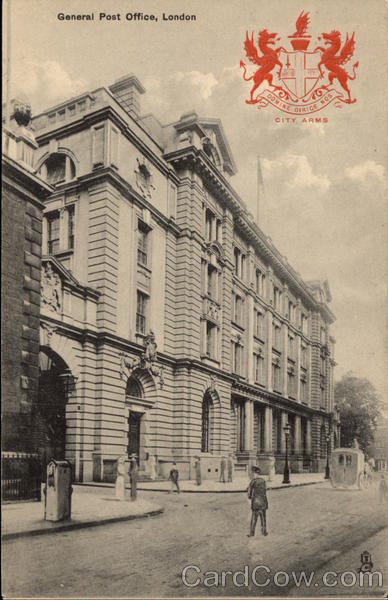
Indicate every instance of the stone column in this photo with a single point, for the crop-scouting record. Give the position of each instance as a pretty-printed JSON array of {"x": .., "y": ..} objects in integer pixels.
[
  {"x": 268, "y": 416},
  {"x": 249, "y": 338},
  {"x": 284, "y": 362},
  {"x": 308, "y": 436},
  {"x": 248, "y": 425},
  {"x": 297, "y": 367},
  {"x": 298, "y": 441},
  {"x": 268, "y": 357}
]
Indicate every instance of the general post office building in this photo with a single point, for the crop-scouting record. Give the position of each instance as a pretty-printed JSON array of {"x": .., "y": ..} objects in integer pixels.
[{"x": 171, "y": 326}]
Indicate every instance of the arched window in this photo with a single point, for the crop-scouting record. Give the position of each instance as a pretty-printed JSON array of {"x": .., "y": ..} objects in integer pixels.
[
  {"x": 57, "y": 168},
  {"x": 206, "y": 423},
  {"x": 133, "y": 389}
]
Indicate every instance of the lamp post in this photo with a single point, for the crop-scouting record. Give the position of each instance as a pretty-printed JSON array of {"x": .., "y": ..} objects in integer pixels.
[
  {"x": 327, "y": 471},
  {"x": 286, "y": 474}
]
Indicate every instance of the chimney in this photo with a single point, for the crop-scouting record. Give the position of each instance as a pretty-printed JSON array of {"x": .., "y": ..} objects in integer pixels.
[{"x": 127, "y": 92}]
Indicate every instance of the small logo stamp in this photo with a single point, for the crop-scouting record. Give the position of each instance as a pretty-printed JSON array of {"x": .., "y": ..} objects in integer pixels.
[
  {"x": 366, "y": 562},
  {"x": 304, "y": 82}
]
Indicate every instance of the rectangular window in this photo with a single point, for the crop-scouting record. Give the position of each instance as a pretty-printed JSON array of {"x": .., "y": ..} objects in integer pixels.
[
  {"x": 303, "y": 390},
  {"x": 98, "y": 146},
  {"x": 291, "y": 384},
  {"x": 259, "y": 325},
  {"x": 259, "y": 368},
  {"x": 212, "y": 282},
  {"x": 218, "y": 231},
  {"x": 291, "y": 347},
  {"x": 304, "y": 324},
  {"x": 236, "y": 358},
  {"x": 70, "y": 244},
  {"x": 237, "y": 262},
  {"x": 323, "y": 335},
  {"x": 276, "y": 379},
  {"x": 276, "y": 297},
  {"x": 211, "y": 340},
  {"x": 276, "y": 336},
  {"x": 303, "y": 356},
  {"x": 242, "y": 272},
  {"x": 141, "y": 313},
  {"x": 53, "y": 233},
  {"x": 142, "y": 244},
  {"x": 238, "y": 318},
  {"x": 259, "y": 282}
]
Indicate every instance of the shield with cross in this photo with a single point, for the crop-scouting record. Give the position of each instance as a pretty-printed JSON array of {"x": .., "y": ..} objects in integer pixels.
[{"x": 299, "y": 72}]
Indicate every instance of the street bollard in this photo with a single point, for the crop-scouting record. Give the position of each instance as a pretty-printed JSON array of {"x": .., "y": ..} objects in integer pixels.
[
  {"x": 133, "y": 475},
  {"x": 120, "y": 481}
]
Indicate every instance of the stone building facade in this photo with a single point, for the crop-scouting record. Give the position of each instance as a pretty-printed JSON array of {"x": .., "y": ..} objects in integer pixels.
[
  {"x": 185, "y": 331},
  {"x": 22, "y": 213}
]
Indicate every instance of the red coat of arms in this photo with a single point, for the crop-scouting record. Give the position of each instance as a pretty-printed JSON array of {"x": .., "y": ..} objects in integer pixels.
[{"x": 303, "y": 82}]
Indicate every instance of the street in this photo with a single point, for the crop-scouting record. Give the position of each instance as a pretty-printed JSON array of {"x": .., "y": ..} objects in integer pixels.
[{"x": 308, "y": 526}]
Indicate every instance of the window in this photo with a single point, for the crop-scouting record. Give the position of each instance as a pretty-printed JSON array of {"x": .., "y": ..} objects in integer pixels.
[
  {"x": 70, "y": 243},
  {"x": 133, "y": 388},
  {"x": 276, "y": 336},
  {"x": 141, "y": 313},
  {"x": 208, "y": 224},
  {"x": 291, "y": 387},
  {"x": 304, "y": 324},
  {"x": 242, "y": 273},
  {"x": 211, "y": 340},
  {"x": 57, "y": 168},
  {"x": 238, "y": 316},
  {"x": 237, "y": 255},
  {"x": 98, "y": 152},
  {"x": 303, "y": 391},
  {"x": 53, "y": 232},
  {"x": 236, "y": 357},
  {"x": 206, "y": 425},
  {"x": 303, "y": 356},
  {"x": 259, "y": 368},
  {"x": 259, "y": 280},
  {"x": 218, "y": 230},
  {"x": 276, "y": 297},
  {"x": 322, "y": 386},
  {"x": 259, "y": 325},
  {"x": 323, "y": 335},
  {"x": 212, "y": 276},
  {"x": 142, "y": 244},
  {"x": 291, "y": 347},
  {"x": 291, "y": 311},
  {"x": 276, "y": 375}
]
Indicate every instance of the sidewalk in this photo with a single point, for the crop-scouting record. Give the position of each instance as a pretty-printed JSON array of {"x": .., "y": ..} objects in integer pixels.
[
  {"x": 88, "y": 510},
  {"x": 239, "y": 485}
]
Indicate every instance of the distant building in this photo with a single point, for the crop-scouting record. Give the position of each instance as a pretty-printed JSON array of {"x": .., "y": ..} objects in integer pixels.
[
  {"x": 171, "y": 326},
  {"x": 379, "y": 450}
]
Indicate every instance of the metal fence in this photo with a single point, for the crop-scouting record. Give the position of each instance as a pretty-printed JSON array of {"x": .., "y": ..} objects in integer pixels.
[{"x": 21, "y": 476}]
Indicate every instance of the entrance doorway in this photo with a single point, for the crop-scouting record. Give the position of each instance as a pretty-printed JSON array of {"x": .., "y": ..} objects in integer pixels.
[
  {"x": 134, "y": 421},
  {"x": 49, "y": 415}
]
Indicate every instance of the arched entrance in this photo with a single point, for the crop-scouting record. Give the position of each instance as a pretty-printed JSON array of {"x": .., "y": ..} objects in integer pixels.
[
  {"x": 133, "y": 393},
  {"x": 49, "y": 416}
]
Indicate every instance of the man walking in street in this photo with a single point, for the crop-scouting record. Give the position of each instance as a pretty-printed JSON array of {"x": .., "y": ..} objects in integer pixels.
[
  {"x": 174, "y": 476},
  {"x": 198, "y": 477},
  {"x": 257, "y": 493},
  {"x": 230, "y": 468},
  {"x": 222, "y": 470}
]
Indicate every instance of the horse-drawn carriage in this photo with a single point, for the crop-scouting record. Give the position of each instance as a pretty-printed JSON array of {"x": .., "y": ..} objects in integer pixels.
[{"x": 348, "y": 469}]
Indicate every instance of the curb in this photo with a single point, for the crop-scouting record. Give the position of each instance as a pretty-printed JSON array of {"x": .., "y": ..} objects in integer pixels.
[
  {"x": 166, "y": 491},
  {"x": 79, "y": 525}
]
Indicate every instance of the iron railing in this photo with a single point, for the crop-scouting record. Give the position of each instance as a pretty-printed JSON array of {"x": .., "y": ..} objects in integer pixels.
[{"x": 21, "y": 476}]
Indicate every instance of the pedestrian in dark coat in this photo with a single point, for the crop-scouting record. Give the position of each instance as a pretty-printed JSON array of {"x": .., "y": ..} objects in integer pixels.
[
  {"x": 230, "y": 468},
  {"x": 198, "y": 477},
  {"x": 223, "y": 469},
  {"x": 174, "y": 476},
  {"x": 257, "y": 493}
]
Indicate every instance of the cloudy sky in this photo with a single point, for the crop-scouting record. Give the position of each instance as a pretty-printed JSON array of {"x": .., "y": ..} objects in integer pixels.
[{"x": 325, "y": 184}]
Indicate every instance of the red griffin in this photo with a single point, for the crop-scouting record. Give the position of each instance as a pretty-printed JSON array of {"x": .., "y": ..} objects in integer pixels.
[
  {"x": 267, "y": 62},
  {"x": 333, "y": 61}
]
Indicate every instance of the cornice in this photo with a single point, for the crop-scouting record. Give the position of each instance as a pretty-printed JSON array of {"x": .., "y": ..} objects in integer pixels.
[
  {"x": 104, "y": 113},
  {"x": 27, "y": 183}
]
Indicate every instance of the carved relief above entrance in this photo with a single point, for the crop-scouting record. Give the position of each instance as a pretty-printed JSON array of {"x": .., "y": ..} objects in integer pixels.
[{"x": 51, "y": 289}]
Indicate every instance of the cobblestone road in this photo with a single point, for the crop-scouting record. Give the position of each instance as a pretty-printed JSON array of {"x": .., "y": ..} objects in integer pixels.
[{"x": 308, "y": 526}]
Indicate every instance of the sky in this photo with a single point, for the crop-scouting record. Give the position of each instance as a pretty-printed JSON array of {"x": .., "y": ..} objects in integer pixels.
[{"x": 325, "y": 184}]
